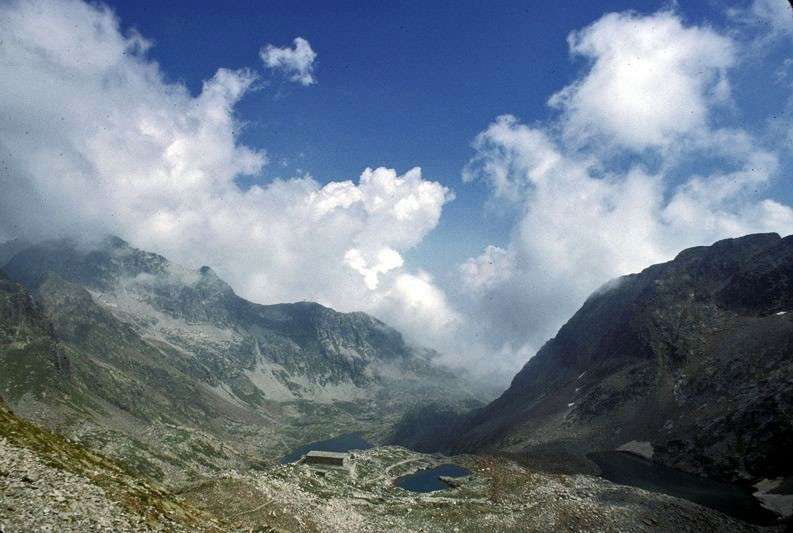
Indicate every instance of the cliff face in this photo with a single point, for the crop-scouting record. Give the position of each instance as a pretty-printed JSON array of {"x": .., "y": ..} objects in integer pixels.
[{"x": 694, "y": 356}]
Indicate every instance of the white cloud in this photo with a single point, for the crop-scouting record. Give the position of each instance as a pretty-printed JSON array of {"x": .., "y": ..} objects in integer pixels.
[
  {"x": 418, "y": 305},
  {"x": 94, "y": 139},
  {"x": 589, "y": 215},
  {"x": 297, "y": 62},
  {"x": 651, "y": 80},
  {"x": 385, "y": 261},
  {"x": 494, "y": 266}
]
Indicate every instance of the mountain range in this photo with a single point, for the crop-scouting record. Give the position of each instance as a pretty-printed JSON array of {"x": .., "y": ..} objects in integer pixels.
[{"x": 124, "y": 350}]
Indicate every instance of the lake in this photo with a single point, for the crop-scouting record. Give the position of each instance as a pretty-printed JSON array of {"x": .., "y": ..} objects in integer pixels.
[
  {"x": 730, "y": 499},
  {"x": 342, "y": 443},
  {"x": 427, "y": 480}
]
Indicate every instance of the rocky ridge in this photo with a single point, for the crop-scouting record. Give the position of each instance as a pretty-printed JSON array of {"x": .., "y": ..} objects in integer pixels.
[{"x": 116, "y": 362}]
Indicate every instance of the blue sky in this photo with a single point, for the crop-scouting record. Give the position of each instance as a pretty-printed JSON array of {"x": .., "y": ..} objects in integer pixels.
[
  {"x": 561, "y": 144},
  {"x": 401, "y": 84}
]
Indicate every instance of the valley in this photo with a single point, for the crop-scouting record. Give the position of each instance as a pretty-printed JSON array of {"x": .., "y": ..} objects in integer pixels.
[
  {"x": 173, "y": 384},
  {"x": 413, "y": 267}
]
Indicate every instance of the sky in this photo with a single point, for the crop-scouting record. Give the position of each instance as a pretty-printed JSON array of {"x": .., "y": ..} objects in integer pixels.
[{"x": 468, "y": 173}]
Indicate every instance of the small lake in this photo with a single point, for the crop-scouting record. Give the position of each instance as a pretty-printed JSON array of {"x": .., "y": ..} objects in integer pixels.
[
  {"x": 733, "y": 500},
  {"x": 427, "y": 480},
  {"x": 342, "y": 443}
]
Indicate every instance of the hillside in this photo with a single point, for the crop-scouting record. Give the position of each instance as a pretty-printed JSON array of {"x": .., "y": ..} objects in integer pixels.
[
  {"x": 153, "y": 373},
  {"x": 693, "y": 356},
  {"x": 48, "y": 482},
  {"x": 688, "y": 363}
]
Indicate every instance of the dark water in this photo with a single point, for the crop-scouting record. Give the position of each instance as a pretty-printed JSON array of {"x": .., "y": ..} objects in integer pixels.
[
  {"x": 342, "y": 443},
  {"x": 734, "y": 500},
  {"x": 427, "y": 480}
]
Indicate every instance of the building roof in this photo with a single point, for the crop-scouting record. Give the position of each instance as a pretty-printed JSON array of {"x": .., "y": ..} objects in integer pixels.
[{"x": 334, "y": 455}]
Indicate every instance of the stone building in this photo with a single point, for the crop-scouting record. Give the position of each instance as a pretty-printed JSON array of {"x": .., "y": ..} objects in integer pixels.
[{"x": 324, "y": 458}]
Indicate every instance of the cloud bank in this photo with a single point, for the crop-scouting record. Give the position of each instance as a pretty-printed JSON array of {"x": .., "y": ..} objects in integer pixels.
[{"x": 297, "y": 63}]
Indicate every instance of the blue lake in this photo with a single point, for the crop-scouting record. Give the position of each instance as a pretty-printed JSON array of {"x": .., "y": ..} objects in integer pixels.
[
  {"x": 427, "y": 480},
  {"x": 731, "y": 499},
  {"x": 342, "y": 443}
]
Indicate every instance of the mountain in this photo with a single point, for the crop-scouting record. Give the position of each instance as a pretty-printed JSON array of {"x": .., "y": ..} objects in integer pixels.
[
  {"x": 689, "y": 362},
  {"x": 126, "y": 351}
]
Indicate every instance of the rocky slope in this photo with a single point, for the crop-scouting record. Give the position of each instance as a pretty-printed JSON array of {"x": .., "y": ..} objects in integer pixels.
[
  {"x": 49, "y": 483},
  {"x": 172, "y": 373},
  {"x": 301, "y": 350},
  {"x": 689, "y": 362}
]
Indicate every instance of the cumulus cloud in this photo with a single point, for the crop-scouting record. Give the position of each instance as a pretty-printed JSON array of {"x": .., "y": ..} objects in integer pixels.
[
  {"x": 297, "y": 63},
  {"x": 651, "y": 80},
  {"x": 95, "y": 139},
  {"x": 588, "y": 215}
]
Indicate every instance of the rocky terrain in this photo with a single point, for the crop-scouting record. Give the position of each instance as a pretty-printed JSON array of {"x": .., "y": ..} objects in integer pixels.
[
  {"x": 500, "y": 495},
  {"x": 36, "y": 497},
  {"x": 689, "y": 363},
  {"x": 49, "y": 483},
  {"x": 253, "y": 352}
]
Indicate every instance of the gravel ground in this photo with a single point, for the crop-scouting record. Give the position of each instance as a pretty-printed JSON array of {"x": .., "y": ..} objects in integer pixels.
[
  {"x": 37, "y": 497},
  {"x": 500, "y": 495}
]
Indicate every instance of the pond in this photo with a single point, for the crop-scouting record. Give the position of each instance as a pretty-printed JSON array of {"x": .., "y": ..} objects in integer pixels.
[
  {"x": 734, "y": 500},
  {"x": 342, "y": 443},
  {"x": 427, "y": 480}
]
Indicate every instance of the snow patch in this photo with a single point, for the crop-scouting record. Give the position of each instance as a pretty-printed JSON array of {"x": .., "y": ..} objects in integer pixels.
[
  {"x": 642, "y": 448},
  {"x": 782, "y": 504}
]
